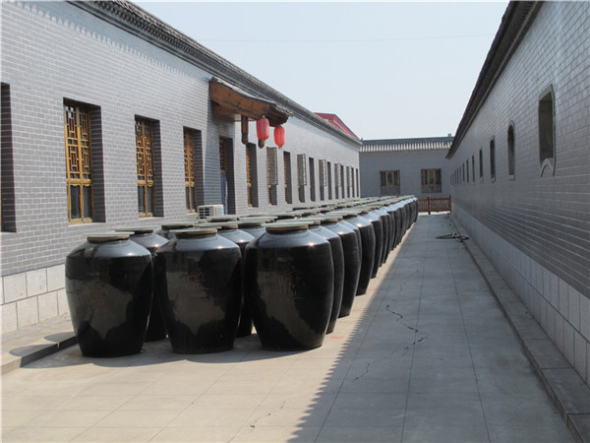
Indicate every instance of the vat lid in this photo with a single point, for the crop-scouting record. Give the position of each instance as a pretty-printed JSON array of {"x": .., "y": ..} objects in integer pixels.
[
  {"x": 194, "y": 232},
  {"x": 105, "y": 237},
  {"x": 287, "y": 226}
]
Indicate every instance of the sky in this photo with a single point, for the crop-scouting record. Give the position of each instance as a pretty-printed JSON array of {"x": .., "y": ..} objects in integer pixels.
[{"x": 387, "y": 69}]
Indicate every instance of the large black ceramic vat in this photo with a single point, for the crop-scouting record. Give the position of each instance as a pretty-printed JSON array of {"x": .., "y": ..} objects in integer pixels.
[
  {"x": 240, "y": 238},
  {"x": 146, "y": 237},
  {"x": 367, "y": 235},
  {"x": 352, "y": 260},
  {"x": 109, "y": 286},
  {"x": 167, "y": 229},
  {"x": 377, "y": 224},
  {"x": 254, "y": 225},
  {"x": 290, "y": 285},
  {"x": 198, "y": 285},
  {"x": 338, "y": 261}
]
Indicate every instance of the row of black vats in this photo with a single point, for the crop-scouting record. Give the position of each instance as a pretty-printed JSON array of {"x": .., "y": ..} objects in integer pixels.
[{"x": 205, "y": 284}]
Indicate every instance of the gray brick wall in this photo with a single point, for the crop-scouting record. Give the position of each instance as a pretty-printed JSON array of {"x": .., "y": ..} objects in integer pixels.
[
  {"x": 409, "y": 163},
  {"x": 542, "y": 216},
  {"x": 53, "y": 51}
]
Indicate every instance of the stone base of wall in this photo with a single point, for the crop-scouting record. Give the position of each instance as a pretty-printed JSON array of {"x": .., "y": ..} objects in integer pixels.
[
  {"x": 560, "y": 310},
  {"x": 33, "y": 297}
]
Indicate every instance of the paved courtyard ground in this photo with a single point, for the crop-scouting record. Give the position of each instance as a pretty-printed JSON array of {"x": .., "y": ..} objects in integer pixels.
[{"x": 426, "y": 356}]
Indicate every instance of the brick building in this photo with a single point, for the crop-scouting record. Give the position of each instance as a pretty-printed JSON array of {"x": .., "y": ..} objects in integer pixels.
[
  {"x": 521, "y": 166},
  {"x": 412, "y": 166},
  {"x": 111, "y": 118}
]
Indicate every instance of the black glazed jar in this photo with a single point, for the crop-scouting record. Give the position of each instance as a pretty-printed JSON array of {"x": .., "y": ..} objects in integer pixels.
[
  {"x": 351, "y": 250},
  {"x": 147, "y": 238},
  {"x": 198, "y": 285},
  {"x": 338, "y": 262},
  {"x": 367, "y": 235},
  {"x": 290, "y": 286},
  {"x": 109, "y": 286}
]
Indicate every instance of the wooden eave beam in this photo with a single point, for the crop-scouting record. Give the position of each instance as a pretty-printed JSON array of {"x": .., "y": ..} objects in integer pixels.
[{"x": 230, "y": 101}]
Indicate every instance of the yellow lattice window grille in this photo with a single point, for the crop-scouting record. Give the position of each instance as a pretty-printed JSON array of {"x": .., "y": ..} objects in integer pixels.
[
  {"x": 145, "y": 167},
  {"x": 79, "y": 162},
  {"x": 189, "y": 171},
  {"x": 249, "y": 155}
]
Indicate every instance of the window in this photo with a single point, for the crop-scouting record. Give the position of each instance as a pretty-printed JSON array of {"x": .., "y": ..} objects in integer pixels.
[
  {"x": 78, "y": 162},
  {"x": 144, "y": 149},
  {"x": 546, "y": 131},
  {"x": 329, "y": 181},
  {"x": 272, "y": 175},
  {"x": 349, "y": 182},
  {"x": 493, "y": 160},
  {"x": 467, "y": 168},
  {"x": 390, "y": 184},
  {"x": 342, "y": 180},
  {"x": 190, "y": 188},
  {"x": 251, "y": 175},
  {"x": 301, "y": 176},
  {"x": 287, "y": 172},
  {"x": 358, "y": 186},
  {"x": 473, "y": 168},
  {"x": 337, "y": 180},
  {"x": 480, "y": 165},
  {"x": 311, "y": 179},
  {"x": 431, "y": 180},
  {"x": 7, "y": 207},
  {"x": 323, "y": 178},
  {"x": 511, "y": 151}
]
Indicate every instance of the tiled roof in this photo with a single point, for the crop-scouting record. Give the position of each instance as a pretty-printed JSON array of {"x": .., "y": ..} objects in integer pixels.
[
  {"x": 406, "y": 144},
  {"x": 336, "y": 121}
]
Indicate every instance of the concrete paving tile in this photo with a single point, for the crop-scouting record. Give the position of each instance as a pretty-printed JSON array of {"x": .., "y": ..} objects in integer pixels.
[
  {"x": 521, "y": 410},
  {"x": 421, "y": 432},
  {"x": 303, "y": 402},
  {"x": 354, "y": 434},
  {"x": 398, "y": 365},
  {"x": 195, "y": 434},
  {"x": 370, "y": 401},
  {"x": 510, "y": 433},
  {"x": 59, "y": 419},
  {"x": 134, "y": 418},
  {"x": 117, "y": 434},
  {"x": 381, "y": 416},
  {"x": 144, "y": 402},
  {"x": 94, "y": 403},
  {"x": 444, "y": 383},
  {"x": 223, "y": 402},
  {"x": 207, "y": 417},
  {"x": 256, "y": 434},
  {"x": 229, "y": 386},
  {"x": 45, "y": 435},
  {"x": 17, "y": 418},
  {"x": 287, "y": 417},
  {"x": 510, "y": 382},
  {"x": 170, "y": 386},
  {"x": 33, "y": 402},
  {"x": 367, "y": 385},
  {"x": 116, "y": 389}
]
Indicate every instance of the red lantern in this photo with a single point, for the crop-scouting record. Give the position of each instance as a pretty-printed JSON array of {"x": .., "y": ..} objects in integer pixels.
[
  {"x": 262, "y": 130},
  {"x": 280, "y": 136}
]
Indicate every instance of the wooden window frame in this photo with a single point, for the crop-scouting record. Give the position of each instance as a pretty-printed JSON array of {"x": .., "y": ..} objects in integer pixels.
[
  {"x": 390, "y": 182},
  {"x": 79, "y": 173},
  {"x": 146, "y": 180},
  {"x": 431, "y": 180},
  {"x": 190, "y": 175}
]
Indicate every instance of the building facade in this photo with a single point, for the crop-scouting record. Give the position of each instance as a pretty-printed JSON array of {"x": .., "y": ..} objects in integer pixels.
[
  {"x": 110, "y": 118},
  {"x": 415, "y": 166},
  {"x": 521, "y": 166}
]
